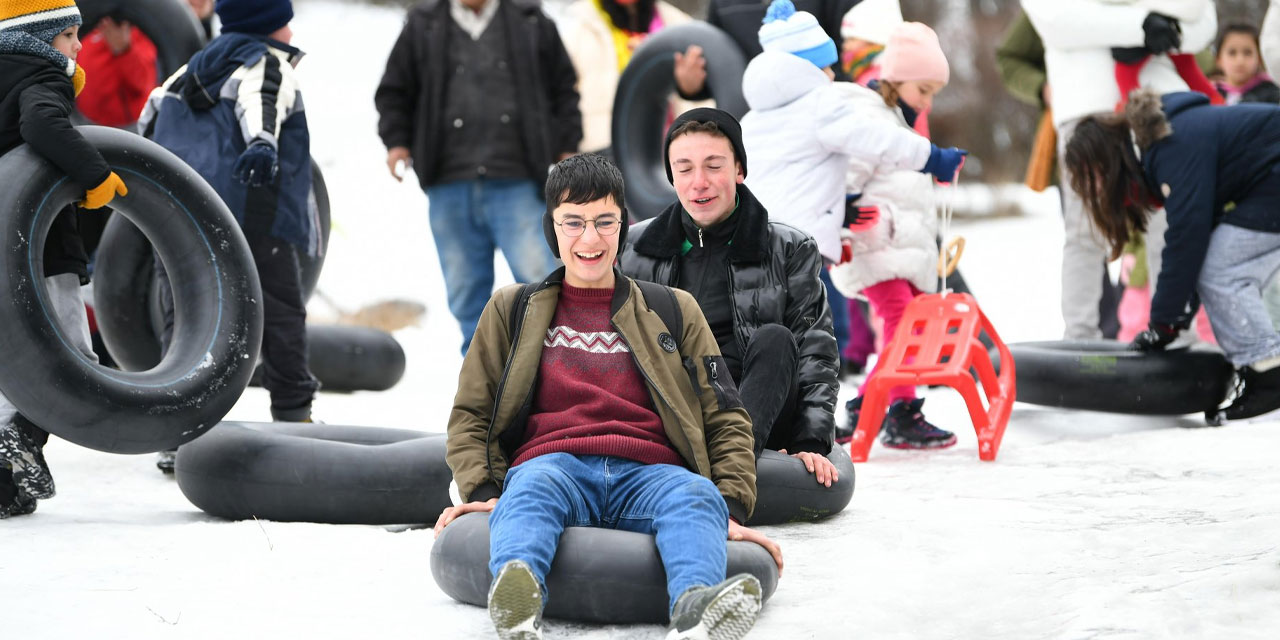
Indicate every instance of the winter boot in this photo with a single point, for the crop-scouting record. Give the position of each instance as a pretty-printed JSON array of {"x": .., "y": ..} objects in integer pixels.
[
  {"x": 853, "y": 409},
  {"x": 726, "y": 611},
  {"x": 1256, "y": 393},
  {"x": 904, "y": 427},
  {"x": 515, "y": 603},
  {"x": 165, "y": 460},
  {"x": 11, "y": 503},
  {"x": 25, "y": 460},
  {"x": 298, "y": 414}
]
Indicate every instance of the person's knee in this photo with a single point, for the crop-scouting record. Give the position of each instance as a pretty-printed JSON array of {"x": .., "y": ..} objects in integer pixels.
[{"x": 773, "y": 341}]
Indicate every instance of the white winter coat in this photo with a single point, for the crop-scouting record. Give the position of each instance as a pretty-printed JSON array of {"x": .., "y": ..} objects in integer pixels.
[
  {"x": 903, "y": 245},
  {"x": 1078, "y": 37},
  {"x": 1271, "y": 37},
  {"x": 588, "y": 40},
  {"x": 799, "y": 136}
]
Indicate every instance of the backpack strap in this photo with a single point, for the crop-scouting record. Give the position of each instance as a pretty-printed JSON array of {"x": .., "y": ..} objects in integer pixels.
[
  {"x": 662, "y": 301},
  {"x": 517, "y": 309}
]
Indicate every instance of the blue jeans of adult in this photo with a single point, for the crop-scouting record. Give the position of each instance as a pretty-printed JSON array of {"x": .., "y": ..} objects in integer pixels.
[
  {"x": 839, "y": 310},
  {"x": 682, "y": 510},
  {"x": 471, "y": 218}
]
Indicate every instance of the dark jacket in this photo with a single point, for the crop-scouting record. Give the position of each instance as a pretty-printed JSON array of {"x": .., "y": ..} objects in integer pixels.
[
  {"x": 773, "y": 277},
  {"x": 1211, "y": 165},
  {"x": 702, "y": 416},
  {"x": 201, "y": 114},
  {"x": 36, "y": 103},
  {"x": 1262, "y": 91},
  {"x": 741, "y": 19},
  {"x": 410, "y": 99}
]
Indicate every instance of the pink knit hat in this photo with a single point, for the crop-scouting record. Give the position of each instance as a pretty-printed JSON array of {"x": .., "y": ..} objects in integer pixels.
[{"x": 913, "y": 55}]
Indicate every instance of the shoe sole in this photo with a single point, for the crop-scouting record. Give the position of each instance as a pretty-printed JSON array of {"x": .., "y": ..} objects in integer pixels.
[
  {"x": 730, "y": 615},
  {"x": 28, "y": 475},
  {"x": 515, "y": 605},
  {"x": 940, "y": 444}
]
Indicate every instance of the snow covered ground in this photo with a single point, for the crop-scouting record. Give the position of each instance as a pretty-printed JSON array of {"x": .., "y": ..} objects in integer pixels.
[{"x": 1087, "y": 525}]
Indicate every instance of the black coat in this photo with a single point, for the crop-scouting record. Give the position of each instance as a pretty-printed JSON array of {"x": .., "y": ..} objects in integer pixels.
[
  {"x": 411, "y": 97},
  {"x": 36, "y": 102},
  {"x": 773, "y": 279}
]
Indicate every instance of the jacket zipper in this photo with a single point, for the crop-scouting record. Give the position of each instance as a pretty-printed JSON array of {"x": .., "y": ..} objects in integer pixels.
[
  {"x": 502, "y": 384},
  {"x": 700, "y": 245}
]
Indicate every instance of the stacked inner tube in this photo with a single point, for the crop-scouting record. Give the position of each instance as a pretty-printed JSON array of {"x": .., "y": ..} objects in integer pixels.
[
  {"x": 1103, "y": 375},
  {"x": 316, "y": 473},
  {"x": 640, "y": 106},
  {"x": 348, "y": 358},
  {"x": 126, "y": 296},
  {"x": 598, "y": 575},
  {"x": 216, "y": 294},
  {"x": 787, "y": 492}
]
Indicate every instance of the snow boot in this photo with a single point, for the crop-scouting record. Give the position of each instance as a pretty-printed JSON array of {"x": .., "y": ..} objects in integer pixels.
[
  {"x": 904, "y": 427},
  {"x": 852, "y": 409},
  {"x": 165, "y": 460},
  {"x": 1256, "y": 393},
  {"x": 515, "y": 603},
  {"x": 25, "y": 460},
  {"x": 11, "y": 503},
  {"x": 726, "y": 611}
]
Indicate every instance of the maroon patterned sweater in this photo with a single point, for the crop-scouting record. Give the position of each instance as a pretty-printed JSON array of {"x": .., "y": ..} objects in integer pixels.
[{"x": 591, "y": 397}]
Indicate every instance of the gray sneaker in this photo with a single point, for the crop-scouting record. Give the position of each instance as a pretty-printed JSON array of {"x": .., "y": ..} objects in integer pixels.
[
  {"x": 515, "y": 603},
  {"x": 726, "y": 611},
  {"x": 25, "y": 459}
]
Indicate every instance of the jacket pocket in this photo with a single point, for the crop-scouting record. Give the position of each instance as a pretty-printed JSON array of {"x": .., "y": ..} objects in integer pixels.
[
  {"x": 722, "y": 383},
  {"x": 691, "y": 368}
]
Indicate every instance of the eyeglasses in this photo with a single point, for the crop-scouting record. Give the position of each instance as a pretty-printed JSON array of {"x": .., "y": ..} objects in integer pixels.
[{"x": 605, "y": 226}]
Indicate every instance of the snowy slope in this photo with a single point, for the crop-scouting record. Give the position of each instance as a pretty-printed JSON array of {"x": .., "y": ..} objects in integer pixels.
[{"x": 1087, "y": 526}]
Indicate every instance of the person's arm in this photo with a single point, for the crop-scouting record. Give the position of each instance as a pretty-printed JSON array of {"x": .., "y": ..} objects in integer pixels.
[
  {"x": 1020, "y": 59},
  {"x": 467, "y": 448},
  {"x": 397, "y": 94},
  {"x": 1189, "y": 207},
  {"x": 267, "y": 96},
  {"x": 563, "y": 92},
  {"x": 137, "y": 67},
  {"x": 818, "y": 359},
  {"x": 151, "y": 110},
  {"x": 1087, "y": 24},
  {"x": 875, "y": 141},
  {"x": 730, "y": 443},
  {"x": 44, "y": 122}
]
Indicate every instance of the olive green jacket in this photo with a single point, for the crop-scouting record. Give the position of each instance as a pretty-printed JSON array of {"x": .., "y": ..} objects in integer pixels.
[
  {"x": 1020, "y": 58},
  {"x": 691, "y": 389}
]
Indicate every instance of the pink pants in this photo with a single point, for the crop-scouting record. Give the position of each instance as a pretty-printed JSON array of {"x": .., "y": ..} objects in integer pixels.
[{"x": 889, "y": 299}]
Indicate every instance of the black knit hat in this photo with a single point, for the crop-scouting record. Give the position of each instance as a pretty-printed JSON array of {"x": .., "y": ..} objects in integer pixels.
[
  {"x": 258, "y": 17},
  {"x": 724, "y": 121}
]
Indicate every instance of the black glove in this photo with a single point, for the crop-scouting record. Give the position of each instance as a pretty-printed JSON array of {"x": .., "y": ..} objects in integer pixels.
[
  {"x": 1162, "y": 33},
  {"x": 1129, "y": 55},
  {"x": 1155, "y": 338}
]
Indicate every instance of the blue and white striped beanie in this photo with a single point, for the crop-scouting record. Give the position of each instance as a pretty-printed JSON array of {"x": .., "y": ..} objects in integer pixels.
[
  {"x": 28, "y": 27},
  {"x": 797, "y": 33}
]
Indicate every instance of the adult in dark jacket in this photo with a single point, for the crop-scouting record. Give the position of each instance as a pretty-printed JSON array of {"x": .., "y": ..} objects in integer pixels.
[
  {"x": 756, "y": 282},
  {"x": 478, "y": 96},
  {"x": 1216, "y": 170}
]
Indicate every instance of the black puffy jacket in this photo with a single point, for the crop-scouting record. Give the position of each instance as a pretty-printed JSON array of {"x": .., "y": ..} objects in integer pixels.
[{"x": 773, "y": 276}]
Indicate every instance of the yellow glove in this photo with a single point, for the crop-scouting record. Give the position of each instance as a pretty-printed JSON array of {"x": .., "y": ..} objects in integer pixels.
[{"x": 103, "y": 194}]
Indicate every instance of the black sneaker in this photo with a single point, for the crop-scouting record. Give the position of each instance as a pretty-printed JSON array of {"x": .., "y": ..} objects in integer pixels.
[
  {"x": 1255, "y": 393},
  {"x": 726, "y": 611},
  {"x": 904, "y": 427},
  {"x": 515, "y": 603},
  {"x": 25, "y": 460},
  {"x": 852, "y": 409},
  {"x": 165, "y": 460}
]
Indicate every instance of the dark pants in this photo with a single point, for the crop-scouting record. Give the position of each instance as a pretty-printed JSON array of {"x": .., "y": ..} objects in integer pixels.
[
  {"x": 285, "y": 374},
  {"x": 769, "y": 386}
]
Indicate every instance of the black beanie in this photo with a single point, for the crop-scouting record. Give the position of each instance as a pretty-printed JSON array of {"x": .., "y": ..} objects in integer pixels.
[
  {"x": 258, "y": 17},
  {"x": 726, "y": 123}
]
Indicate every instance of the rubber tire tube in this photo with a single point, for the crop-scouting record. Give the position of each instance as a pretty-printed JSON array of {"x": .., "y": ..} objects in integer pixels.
[
  {"x": 348, "y": 358},
  {"x": 126, "y": 298},
  {"x": 219, "y": 316},
  {"x": 290, "y": 472},
  {"x": 640, "y": 107},
  {"x": 170, "y": 24},
  {"x": 787, "y": 492},
  {"x": 604, "y": 576},
  {"x": 1103, "y": 375}
]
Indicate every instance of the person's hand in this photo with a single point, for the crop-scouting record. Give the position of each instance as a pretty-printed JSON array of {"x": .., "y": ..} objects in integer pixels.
[
  {"x": 860, "y": 218},
  {"x": 945, "y": 164},
  {"x": 691, "y": 70},
  {"x": 819, "y": 466},
  {"x": 395, "y": 156},
  {"x": 1046, "y": 94},
  {"x": 101, "y": 195},
  {"x": 202, "y": 8},
  {"x": 739, "y": 533},
  {"x": 257, "y": 166},
  {"x": 1161, "y": 34},
  {"x": 1155, "y": 338},
  {"x": 453, "y": 513},
  {"x": 118, "y": 34}
]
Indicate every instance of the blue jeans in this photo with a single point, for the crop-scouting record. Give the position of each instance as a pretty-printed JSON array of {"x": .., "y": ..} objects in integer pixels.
[
  {"x": 839, "y": 311},
  {"x": 1236, "y": 269},
  {"x": 469, "y": 220},
  {"x": 681, "y": 509}
]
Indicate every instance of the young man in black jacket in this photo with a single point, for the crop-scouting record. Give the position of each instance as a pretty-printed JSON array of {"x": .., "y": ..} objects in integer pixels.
[
  {"x": 756, "y": 282},
  {"x": 39, "y": 80},
  {"x": 478, "y": 96}
]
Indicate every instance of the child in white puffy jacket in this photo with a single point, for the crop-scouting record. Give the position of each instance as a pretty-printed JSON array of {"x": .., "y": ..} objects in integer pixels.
[
  {"x": 1162, "y": 33},
  {"x": 895, "y": 259}
]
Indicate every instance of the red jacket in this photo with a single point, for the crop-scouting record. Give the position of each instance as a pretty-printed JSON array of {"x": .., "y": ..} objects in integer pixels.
[{"x": 116, "y": 87}]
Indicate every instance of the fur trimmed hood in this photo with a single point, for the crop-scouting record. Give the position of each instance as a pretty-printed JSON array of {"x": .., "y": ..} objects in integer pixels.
[{"x": 1148, "y": 114}]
